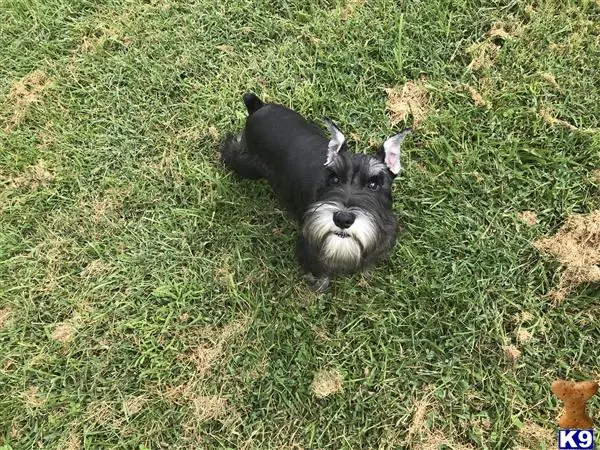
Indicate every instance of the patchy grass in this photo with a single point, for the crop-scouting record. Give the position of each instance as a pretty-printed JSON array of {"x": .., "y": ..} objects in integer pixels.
[{"x": 150, "y": 299}]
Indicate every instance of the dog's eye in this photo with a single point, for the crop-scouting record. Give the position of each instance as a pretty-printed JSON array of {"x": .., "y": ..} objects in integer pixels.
[
  {"x": 373, "y": 184},
  {"x": 333, "y": 179}
]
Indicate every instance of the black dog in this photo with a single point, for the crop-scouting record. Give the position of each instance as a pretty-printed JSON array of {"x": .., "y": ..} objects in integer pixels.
[{"x": 343, "y": 200}]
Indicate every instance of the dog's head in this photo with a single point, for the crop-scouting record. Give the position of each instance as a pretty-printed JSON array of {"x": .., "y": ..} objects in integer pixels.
[{"x": 352, "y": 216}]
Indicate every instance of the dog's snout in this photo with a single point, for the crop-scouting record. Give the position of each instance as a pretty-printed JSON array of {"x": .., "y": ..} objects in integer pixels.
[{"x": 343, "y": 219}]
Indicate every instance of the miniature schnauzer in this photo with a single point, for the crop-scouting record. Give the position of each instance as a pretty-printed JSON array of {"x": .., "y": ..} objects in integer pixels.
[{"x": 342, "y": 200}]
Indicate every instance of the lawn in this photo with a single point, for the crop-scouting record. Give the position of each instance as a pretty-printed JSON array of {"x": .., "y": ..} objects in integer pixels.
[{"x": 151, "y": 300}]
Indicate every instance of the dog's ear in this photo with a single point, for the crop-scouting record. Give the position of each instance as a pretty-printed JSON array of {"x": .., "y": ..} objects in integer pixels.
[
  {"x": 337, "y": 142},
  {"x": 389, "y": 152}
]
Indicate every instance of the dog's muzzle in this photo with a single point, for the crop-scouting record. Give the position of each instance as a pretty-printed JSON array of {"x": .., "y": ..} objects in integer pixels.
[{"x": 343, "y": 235}]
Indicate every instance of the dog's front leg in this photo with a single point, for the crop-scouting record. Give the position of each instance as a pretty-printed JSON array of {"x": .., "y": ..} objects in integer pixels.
[{"x": 315, "y": 275}]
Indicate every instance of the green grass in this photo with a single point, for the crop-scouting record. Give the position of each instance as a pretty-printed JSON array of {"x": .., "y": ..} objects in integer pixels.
[{"x": 179, "y": 281}]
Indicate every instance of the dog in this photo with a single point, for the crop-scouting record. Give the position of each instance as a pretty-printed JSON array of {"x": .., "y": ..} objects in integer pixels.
[{"x": 342, "y": 200}]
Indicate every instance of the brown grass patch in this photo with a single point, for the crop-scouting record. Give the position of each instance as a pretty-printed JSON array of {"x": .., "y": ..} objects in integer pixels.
[
  {"x": 483, "y": 55},
  {"x": 31, "y": 397},
  {"x": 596, "y": 176},
  {"x": 5, "y": 317},
  {"x": 95, "y": 268},
  {"x": 63, "y": 333},
  {"x": 576, "y": 246},
  {"x": 350, "y": 6},
  {"x": 511, "y": 352},
  {"x": 533, "y": 436},
  {"x": 24, "y": 93},
  {"x": 74, "y": 442},
  {"x": 33, "y": 177},
  {"x": 210, "y": 407},
  {"x": 528, "y": 217},
  {"x": 523, "y": 336},
  {"x": 206, "y": 354},
  {"x": 551, "y": 79},
  {"x": 326, "y": 383},
  {"x": 133, "y": 405},
  {"x": 548, "y": 115},
  {"x": 412, "y": 99},
  {"x": 418, "y": 421},
  {"x": 226, "y": 49},
  {"x": 477, "y": 97},
  {"x": 436, "y": 440}
]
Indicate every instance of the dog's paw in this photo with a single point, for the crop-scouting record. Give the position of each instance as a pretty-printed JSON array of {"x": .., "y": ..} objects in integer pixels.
[{"x": 316, "y": 284}]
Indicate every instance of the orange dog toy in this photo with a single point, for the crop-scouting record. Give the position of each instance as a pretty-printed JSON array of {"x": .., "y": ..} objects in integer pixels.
[{"x": 574, "y": 396}]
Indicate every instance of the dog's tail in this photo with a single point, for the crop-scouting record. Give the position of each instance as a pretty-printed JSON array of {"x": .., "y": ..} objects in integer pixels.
[{"x": 252, "y": 102}]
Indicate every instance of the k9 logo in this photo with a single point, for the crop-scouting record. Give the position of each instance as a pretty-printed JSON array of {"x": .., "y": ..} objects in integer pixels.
[{"x": 575, "y": 439}]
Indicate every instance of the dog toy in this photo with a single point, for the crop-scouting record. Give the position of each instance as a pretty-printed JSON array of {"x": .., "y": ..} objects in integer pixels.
[{"x": 574, "y": 396}]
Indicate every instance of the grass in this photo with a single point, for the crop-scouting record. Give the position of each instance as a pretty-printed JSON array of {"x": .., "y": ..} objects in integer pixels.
[{"x": 148, "y": 299}]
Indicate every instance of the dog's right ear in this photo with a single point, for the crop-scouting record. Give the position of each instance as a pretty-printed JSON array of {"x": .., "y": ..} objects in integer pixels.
[
  {"x": 389, "y": 152},
  {"x": 337, "y": 142}
]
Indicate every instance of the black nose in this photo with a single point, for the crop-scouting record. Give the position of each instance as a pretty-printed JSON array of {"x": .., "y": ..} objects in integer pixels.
[{"x": 343, "y": 219}]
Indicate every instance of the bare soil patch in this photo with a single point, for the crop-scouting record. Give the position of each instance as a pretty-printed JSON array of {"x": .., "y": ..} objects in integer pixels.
[
  {"x": 411, "y": 99},
  {"x": 576, "y": 246},
  {"x": 326, "y": 383}
]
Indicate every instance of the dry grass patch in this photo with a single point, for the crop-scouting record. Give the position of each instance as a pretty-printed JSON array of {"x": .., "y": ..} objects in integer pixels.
[
  {"x": 326, "y": 383},
  {"x": 477, "y": 98},
  {"x": 33, "y": 177},
  {"x": 484, "y": 53},
  {"x": 63, "y": 333},
  {"x": 418, "y": 421},
  {"x": 95, "y": 268},
  {"x": 5, "y": 317},
  {"x": 31, "y": 397},
  {"x": 205, "y": 354},
  {"x": 210, "y": 407},
  {"x": 511, "y": 352},
  {"x": 528, "y": 217},
  {"x": 436, "y": 440},
  {"x": 350, "y": 7},
  {"x": 576, "y": 246},
  {"x": 550, "y": 79},
  {"x": 533, "y": 436},
  {"x": 548, "y": 115},
  {"x": 133, "y": 405},
  {"x": 523, "y": 336},
  {"x": 412, "y": 99},
  {"x": 22, "y": 95}
]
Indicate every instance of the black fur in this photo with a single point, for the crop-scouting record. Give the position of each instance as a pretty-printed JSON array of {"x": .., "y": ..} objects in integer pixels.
[{"x": 281, "y": 146}]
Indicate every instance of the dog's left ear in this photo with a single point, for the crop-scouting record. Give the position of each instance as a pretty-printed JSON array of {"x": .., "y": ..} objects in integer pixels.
[
  {"x": 337, "y": 142},
  {"x": 389, "y": 152}
]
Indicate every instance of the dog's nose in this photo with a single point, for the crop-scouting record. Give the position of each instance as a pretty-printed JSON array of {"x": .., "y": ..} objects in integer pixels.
[{"x": 343, "y": 219}]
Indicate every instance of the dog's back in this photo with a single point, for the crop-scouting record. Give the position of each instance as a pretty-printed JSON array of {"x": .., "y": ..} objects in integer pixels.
[{"x": 276, "y": 140}]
